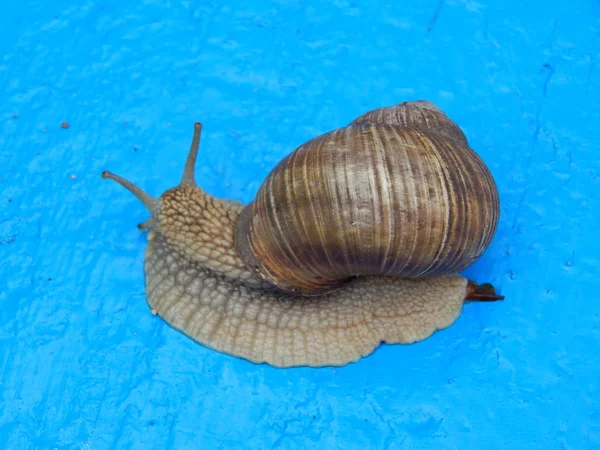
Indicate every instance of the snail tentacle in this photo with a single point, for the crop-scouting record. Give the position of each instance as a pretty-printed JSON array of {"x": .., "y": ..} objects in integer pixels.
[
  {"x": 188, "y": 178},
  {"x": 149, "y": 202}
]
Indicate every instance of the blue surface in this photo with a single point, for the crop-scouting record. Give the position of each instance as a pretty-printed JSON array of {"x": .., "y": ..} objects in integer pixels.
[{"x": 84, "y": 364}]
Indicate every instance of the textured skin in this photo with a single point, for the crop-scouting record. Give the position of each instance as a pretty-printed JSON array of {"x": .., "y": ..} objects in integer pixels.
[
  {"x": 371, "y": 199},
  {"x": 83, "y": 362},
  {"x": 198, "y": 284},
  {"x": 200, "y": 228}
]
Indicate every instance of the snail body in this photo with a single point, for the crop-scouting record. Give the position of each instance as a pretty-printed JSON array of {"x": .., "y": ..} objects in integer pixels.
[{"x": 354, "y": 239}]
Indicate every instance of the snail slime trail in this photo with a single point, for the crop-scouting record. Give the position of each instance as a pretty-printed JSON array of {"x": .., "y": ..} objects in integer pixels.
[{"x": 411, "y": 205}]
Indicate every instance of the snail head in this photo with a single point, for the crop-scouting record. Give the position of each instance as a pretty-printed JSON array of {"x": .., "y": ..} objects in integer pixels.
[{"x": 151, "y": 203}]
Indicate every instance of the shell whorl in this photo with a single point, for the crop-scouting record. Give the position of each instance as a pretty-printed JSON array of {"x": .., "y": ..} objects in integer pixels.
[
  {"x": 392, "y": 194},
  {"x": 420, "y": 114}
]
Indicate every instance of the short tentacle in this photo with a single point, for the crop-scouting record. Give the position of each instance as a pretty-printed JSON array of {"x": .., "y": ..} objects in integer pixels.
[{"x": 147, "y": 225}]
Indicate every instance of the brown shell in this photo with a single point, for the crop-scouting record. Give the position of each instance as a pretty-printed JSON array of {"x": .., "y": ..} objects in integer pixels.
[
  {"x": 419, "y": 114},
  {"x": 394, "y": 199}
]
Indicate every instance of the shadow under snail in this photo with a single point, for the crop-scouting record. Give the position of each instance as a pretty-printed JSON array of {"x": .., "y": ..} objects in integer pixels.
[{"x": 354, "y": 239}]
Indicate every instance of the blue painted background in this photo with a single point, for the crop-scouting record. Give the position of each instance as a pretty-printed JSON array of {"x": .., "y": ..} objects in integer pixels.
[{"x": 83, "y": 363}]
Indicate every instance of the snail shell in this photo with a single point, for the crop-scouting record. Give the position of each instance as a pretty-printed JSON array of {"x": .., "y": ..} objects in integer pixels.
[
  {"x": 398, "y": 192},
  {"x": 419, "y": 114}
]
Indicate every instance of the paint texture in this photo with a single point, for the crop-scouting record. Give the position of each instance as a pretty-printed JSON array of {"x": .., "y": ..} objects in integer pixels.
[{"x": 84, "y": 363}]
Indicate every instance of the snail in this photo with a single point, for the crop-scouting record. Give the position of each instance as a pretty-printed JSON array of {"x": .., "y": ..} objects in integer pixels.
[{"x": 355, "y": 238}]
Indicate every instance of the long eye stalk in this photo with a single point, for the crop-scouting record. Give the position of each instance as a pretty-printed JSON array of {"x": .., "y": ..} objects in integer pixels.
[
  {"x": 188, "y": 178},
  {"x": 149, "y": 202}
]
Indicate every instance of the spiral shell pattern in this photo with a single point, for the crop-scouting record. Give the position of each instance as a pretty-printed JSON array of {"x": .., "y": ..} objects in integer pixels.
[{"x": 396, "y": 193}]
